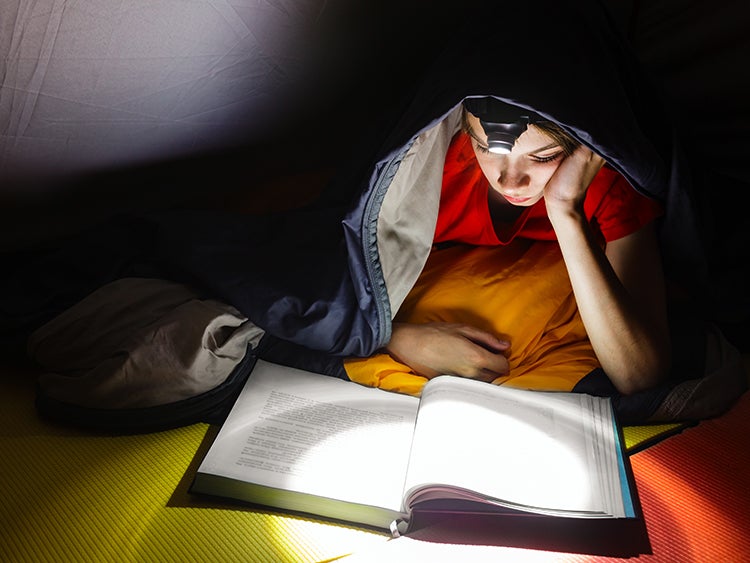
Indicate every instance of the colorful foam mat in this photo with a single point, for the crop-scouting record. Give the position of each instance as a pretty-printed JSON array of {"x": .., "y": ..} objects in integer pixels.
[{"x": 71, "y": 496}]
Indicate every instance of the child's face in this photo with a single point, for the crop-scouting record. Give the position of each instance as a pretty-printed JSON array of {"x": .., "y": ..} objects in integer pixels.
[{"x": 519, "y": 177}]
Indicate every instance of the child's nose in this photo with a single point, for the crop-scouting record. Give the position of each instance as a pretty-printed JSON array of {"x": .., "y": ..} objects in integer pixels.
[{"x": 512, "y": 177}]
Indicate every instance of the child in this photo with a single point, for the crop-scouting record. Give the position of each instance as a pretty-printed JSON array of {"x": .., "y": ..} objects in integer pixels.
[{"x": 549, "y": 221}]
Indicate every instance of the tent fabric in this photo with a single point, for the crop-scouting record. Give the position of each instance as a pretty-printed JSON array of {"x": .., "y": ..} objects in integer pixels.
[{"x": 95, "y": 85}]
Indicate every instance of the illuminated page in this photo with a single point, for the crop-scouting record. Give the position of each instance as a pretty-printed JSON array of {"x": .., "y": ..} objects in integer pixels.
[
  {"x": 298, "y": 431},
  {"x": 538, "y": 451}
]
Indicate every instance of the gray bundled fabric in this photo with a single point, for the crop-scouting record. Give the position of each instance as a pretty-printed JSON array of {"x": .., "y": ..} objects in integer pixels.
[
  {"x": 712, "y": 395},
  {"x": 139, "y": 343}
]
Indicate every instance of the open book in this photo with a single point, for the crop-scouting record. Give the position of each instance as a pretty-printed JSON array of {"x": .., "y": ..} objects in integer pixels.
[{"x": 309, "y": 443}]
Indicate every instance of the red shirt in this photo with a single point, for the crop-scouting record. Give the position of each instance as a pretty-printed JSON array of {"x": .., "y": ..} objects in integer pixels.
[{"x": 613, "y": 207}]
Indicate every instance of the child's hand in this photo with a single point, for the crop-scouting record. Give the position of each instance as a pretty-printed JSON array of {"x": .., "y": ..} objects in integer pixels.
[
  {"x": 434, "y": 349},
  {"x": 566, "y": 189}
]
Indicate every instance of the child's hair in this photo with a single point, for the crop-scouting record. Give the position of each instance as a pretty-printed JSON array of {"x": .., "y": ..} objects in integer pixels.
[{"x": 567, "y": 143}]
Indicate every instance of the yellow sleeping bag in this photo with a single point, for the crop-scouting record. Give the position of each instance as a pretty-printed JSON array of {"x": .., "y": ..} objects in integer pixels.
[{"x": 520, "y": 292}]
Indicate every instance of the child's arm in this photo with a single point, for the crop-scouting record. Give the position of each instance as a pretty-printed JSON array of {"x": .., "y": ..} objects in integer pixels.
[
  {"x": 434, "y": 349},
  {"x": 620, "y": 291}
]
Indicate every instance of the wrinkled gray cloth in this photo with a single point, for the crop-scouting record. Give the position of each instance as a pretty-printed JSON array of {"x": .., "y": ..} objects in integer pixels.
[
  {"x": 723, "y": 382},
  {"x": 140, "y": 343}
]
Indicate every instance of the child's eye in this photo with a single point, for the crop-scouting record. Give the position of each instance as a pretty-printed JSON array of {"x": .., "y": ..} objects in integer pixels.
[
  {"x": 543, "y": 159},
  {"x": 480, "y": 148}
]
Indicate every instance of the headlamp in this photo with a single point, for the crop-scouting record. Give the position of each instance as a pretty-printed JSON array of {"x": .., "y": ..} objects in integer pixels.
[{"x": 502, "y": 123}]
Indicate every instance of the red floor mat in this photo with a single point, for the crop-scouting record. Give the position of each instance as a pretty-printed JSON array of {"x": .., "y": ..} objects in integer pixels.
[{"x": 695, "y": 491}]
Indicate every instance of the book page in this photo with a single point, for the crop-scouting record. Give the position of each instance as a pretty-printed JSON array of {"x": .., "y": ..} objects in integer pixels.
[
  {"x": 299, "y": 431},
  {"x": 530, "y": 448}
]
